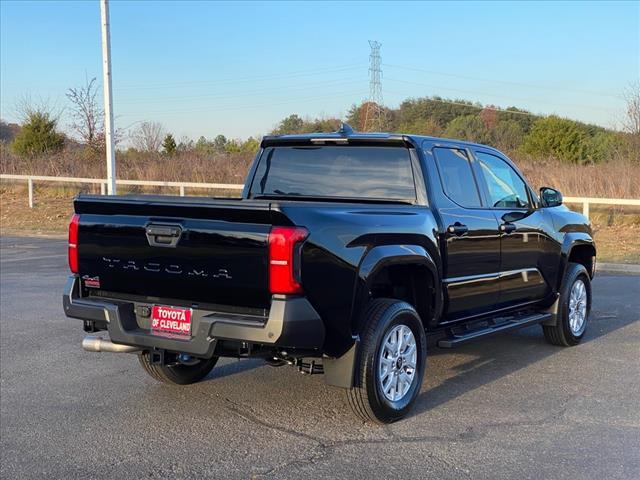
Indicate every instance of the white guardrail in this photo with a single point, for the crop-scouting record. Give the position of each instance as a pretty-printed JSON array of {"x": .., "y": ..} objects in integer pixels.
[{"x": 181, "y": 186}]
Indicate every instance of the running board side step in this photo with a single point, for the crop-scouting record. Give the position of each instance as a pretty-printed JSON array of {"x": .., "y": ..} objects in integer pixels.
[{"x": 459, "y": 338}]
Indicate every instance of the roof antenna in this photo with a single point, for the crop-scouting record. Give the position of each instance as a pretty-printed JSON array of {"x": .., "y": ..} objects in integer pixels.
[{"x": 345, "y": 129}]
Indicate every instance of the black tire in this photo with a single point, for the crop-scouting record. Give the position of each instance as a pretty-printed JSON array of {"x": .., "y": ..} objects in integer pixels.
[
  {"x": 178, "y": 374},
  {"x": 366, "y": 398},
  {"x": 561, "y": 334}
]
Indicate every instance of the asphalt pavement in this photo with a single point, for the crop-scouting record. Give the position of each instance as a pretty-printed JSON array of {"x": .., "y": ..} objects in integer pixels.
[{"x": 510, "y": 406}]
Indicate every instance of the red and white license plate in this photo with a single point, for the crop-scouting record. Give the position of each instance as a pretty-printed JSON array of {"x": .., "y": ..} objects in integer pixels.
[{"x": 171, "y": 319}]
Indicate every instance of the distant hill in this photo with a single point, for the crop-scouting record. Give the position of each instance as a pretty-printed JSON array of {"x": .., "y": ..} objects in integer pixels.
[
  {"x": 509, "y": 129},
  {"x": 8, "y": 131}
]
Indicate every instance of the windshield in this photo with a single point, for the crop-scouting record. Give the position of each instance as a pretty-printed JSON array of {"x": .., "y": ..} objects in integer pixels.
[{"x": 377, "y": 172}]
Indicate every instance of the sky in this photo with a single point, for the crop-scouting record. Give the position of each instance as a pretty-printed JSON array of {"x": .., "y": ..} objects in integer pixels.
[{"x": 208, "y": 68}]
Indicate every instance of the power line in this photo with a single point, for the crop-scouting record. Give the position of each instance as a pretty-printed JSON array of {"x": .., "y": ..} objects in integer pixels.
[
  {"x": 253, "y": 106},
  {"x": 233, "y": 81},
  {"x": 470, "y": 105},
  {"x": 520, "y": 99},
  {"x": 504, "y": 82},
  {"x": 478, "y": 107},
  {"x": 248, "y": 93}
]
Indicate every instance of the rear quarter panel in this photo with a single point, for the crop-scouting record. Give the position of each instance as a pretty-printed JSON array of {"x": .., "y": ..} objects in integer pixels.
[{"x": 340, "y": 237}]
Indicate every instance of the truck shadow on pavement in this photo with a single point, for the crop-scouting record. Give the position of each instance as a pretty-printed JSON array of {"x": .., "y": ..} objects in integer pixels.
[
  {"x": 497, "y": 357},
  {"x": 233, "y": 367},
  {"x": 464, "y": 369},
  {"x": 450, "y": 374}
]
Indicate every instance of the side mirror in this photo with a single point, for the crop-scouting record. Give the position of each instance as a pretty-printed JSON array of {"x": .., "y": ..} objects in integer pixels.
[{"x": 550, "y": 197}]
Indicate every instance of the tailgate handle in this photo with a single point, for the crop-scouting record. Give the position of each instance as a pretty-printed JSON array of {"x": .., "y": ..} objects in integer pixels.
[{"x": 163, "y": 235}]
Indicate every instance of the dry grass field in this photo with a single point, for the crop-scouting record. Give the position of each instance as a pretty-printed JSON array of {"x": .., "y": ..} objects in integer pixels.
[
  {"x": 183, "y": 166},
  {"x": 614, "y": 179},
  {"x": 617, "y": 228}
]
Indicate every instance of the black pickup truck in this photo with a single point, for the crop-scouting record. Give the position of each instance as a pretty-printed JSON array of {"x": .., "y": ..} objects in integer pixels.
[{"x": 346, "y": 251}]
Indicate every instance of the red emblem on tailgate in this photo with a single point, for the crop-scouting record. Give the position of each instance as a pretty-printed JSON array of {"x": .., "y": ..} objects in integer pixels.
[
  {"x": 91, "y": 282},
  {"x": 171, "y": 319}
]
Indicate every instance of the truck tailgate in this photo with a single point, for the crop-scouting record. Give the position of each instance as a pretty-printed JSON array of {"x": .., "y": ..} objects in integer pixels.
[{"x": 192, "y": 249}]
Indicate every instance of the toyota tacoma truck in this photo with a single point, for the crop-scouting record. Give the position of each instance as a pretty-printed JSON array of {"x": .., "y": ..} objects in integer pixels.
[{"x": 344, "y": 254}]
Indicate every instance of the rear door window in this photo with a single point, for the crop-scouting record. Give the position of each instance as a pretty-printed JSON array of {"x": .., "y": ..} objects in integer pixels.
[
  {"x": 505, "y": 187},
  {"x": 456, "y": 176},
  {"x": 373, "y": 172}
]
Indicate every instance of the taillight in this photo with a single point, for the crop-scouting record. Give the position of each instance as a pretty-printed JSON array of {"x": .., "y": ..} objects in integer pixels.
[
  {"x": 73, "y": 243},
  {"x": 284, "y": 259}
]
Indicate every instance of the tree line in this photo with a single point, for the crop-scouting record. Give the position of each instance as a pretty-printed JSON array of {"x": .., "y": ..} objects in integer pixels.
[{"x": 511, "y": 129}]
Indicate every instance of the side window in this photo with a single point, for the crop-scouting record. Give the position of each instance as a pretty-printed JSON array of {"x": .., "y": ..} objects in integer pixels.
[
  {"x": 456, "y": 176},
  {"x": 506, "y": 189}
]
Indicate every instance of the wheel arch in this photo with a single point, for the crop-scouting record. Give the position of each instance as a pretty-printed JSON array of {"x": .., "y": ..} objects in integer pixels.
[
  {"x": 577, "y": 247},
  {"x": 403, "y": 272},
  {"x": 377, "y": 262}
]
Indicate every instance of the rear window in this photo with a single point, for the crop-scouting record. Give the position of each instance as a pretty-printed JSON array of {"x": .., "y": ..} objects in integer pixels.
[
  {"x": 456, "y": 176},
  {"x": 335, "y": 171}
]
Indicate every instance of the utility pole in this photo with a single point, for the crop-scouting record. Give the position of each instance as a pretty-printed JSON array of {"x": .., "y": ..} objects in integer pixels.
[
  {"x": 108, "y": 102},
  {"x": 374, "y": 114}
]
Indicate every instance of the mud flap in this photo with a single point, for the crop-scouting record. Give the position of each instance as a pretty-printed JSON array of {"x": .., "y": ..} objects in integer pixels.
[
  {"x": 553, "y": 310},
  {"x": 338, "y": 371}
]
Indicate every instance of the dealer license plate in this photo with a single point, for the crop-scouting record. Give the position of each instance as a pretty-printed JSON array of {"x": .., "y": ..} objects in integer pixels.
[{"x": 171, "y": 319}]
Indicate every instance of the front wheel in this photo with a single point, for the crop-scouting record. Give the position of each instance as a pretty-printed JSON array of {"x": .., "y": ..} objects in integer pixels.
[
  {"x": 179, "y": 373},
  {"x": 390, "y": 364},
  {"x": 573, "y": 309}
]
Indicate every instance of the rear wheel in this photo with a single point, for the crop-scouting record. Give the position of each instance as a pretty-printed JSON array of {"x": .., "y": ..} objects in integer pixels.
[
  {"x": 390, "y": 364},
  {"x": 573, "y": 309},
  {"x": 178, "y": 373}
]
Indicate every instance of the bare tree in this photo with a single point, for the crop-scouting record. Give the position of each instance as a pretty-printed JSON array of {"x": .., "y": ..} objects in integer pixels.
[
  {"x": 631, "y": 121},
  {"x": 148, "y": 136},
  {"x": 25, "y": 107},
  {"x": 88, "y": 117}
]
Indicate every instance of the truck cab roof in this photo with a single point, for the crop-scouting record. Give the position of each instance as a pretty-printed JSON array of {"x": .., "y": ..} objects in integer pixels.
[{"x": 346, "y": 135}]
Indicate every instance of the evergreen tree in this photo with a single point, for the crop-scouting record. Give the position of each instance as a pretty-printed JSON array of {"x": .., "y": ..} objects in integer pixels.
[
  {"x": 219, "y": 143},
  {"x": 169, "y": 146},
  {"x": 38, "y": 135},
  {"x": 291, "y": 124},
  {"x": 468, "y": 127},
  {"x": 558, "y": 137}
]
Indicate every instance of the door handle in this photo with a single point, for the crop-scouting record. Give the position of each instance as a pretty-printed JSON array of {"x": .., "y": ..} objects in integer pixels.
[
  {"x": 163, "y": 231},
  {"x": 507, "y": 228},
  {"x": 163, "y": 235},
  {"x": 457, "y": 228}
]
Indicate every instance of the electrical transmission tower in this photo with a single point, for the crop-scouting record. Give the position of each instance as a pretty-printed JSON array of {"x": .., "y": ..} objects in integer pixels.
[{"x": 374, "y": 113}]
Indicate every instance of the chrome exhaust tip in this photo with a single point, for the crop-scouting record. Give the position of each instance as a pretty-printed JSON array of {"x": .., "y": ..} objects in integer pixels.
[{"x": 92, "y": 343}]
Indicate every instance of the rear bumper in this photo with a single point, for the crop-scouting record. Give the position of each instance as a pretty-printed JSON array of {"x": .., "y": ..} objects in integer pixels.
[{"x": 292, "y": 323}]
